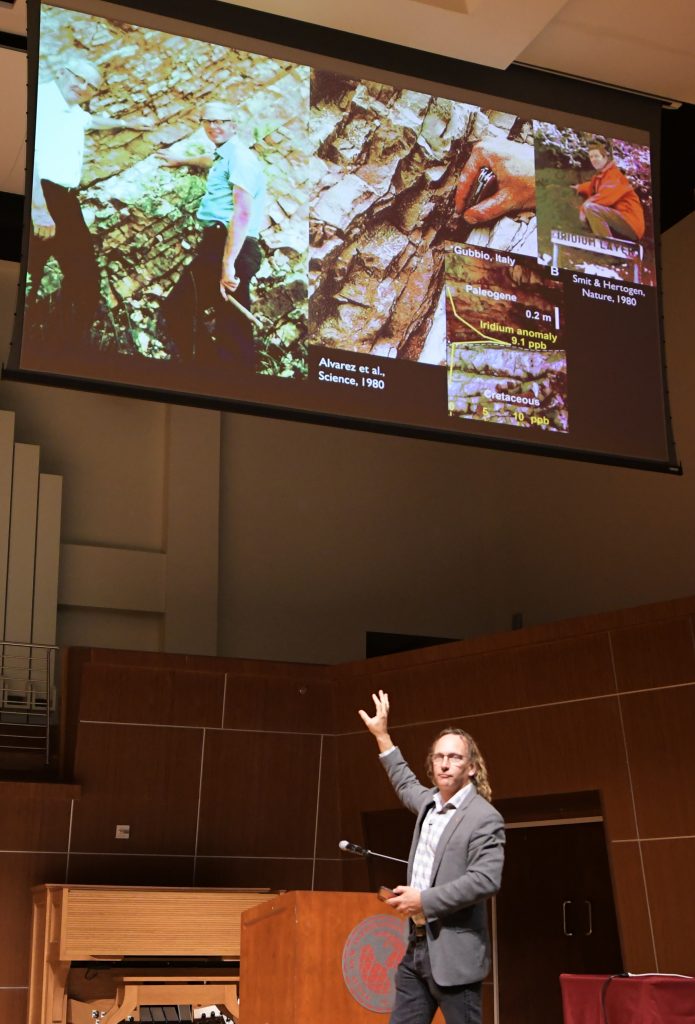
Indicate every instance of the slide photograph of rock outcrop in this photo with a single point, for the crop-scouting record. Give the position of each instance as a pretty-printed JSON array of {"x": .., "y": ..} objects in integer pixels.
[
  {"x": 399, "y": 185},
  {"x": 505, "y": 363},
  {"x": 140, "y": 181}
]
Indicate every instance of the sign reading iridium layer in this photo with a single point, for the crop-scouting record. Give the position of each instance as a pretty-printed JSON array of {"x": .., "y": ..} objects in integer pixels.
[{"x": 373, "y": 950}]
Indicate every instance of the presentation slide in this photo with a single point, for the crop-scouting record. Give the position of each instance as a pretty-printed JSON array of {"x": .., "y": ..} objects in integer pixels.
[{"x": 239, "y": 228}]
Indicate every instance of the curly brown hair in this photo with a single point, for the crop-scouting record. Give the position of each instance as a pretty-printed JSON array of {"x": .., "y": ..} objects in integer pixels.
[
  {"x": 480, "y": 777},
  {"x": 601, "y": 144}
]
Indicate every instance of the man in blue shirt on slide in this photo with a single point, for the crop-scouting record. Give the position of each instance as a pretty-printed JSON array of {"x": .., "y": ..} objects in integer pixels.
[{"x": 229, "y": 254}]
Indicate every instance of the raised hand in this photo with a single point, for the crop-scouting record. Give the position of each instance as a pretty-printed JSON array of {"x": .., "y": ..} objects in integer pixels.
[
  {"x": 377, "y": 723},
  {"x": 168, "y": 160}
]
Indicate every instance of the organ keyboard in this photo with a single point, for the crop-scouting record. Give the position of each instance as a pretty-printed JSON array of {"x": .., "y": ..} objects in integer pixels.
[{"x": 195, "y": 933}]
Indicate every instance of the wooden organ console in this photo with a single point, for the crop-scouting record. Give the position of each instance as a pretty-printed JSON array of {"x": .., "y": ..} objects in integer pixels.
[{"x": 164, "y": 946}]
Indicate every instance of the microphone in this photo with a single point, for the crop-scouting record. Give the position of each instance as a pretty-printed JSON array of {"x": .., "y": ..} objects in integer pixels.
[{"x": 348, "y": 847}]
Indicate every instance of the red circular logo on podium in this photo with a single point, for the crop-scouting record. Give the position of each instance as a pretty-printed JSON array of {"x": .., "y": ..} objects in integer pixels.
[{"x": 373, "y": 951}]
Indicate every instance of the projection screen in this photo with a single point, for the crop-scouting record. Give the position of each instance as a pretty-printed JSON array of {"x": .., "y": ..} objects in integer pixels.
[{"x": 226, "y": 219}]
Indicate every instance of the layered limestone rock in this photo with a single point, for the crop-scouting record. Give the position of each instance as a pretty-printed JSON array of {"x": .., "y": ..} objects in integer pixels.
[
  {"x": 384, "y": 210},
  {"x": 142, "y": 213},
  {"x": 361, "y": 177},
  {"x": 504, "y": 385}
]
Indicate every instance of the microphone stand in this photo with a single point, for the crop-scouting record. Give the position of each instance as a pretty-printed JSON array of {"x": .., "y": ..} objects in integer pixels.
[
  {"x": 384, "y": 856},
  {"x": 362, "y": 852}
]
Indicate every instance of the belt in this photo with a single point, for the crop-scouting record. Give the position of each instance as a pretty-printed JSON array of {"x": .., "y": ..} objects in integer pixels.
[
  {"x": 217, "y": 226},
  {"x": 71, "y": 189}
]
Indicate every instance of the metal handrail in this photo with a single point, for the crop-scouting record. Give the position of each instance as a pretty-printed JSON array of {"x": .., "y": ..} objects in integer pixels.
[{"x": 27, "y": 696}]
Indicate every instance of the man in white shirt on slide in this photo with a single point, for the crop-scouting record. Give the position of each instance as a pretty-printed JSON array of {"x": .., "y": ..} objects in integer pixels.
[{"x": 58, "y": 227}]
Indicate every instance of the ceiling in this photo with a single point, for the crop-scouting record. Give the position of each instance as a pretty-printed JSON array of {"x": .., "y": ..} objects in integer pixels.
[
  {"x": 639, "y": 45},
  {"x": 642, "y": 45}
]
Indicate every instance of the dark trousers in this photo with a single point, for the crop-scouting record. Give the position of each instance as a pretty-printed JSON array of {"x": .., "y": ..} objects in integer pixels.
[
  {"x": 606, "y": 222},
  {"x": 69, "y": 315},
  {"x": 186, "y": 308},
  {"x": 418, "y": 995}
]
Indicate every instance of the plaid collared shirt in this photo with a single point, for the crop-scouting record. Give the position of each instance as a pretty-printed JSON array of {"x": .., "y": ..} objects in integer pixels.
[{"x": 433, "y": 825}]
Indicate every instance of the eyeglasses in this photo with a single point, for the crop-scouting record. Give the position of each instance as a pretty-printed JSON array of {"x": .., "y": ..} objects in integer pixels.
[
  {"x": 453, "y": 758},
  {"x": 216, "y": 120}
]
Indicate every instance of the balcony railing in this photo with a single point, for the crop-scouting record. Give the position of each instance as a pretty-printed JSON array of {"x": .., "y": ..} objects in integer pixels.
[{"x": 27, "y": 701}]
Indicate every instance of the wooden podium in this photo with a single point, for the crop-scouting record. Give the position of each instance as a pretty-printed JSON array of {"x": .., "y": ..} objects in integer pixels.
[{"x": 293, "y": 954}]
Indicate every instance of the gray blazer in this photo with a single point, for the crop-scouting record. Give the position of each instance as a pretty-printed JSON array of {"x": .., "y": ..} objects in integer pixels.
[{"x": 467, "y": 870}]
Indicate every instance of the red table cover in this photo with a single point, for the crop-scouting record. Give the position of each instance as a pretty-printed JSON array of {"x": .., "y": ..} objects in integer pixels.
[{"x": 642, "y": 999}]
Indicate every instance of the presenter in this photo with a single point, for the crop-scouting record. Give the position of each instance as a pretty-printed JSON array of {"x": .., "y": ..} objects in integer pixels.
[{"x": 455, "y": 864}]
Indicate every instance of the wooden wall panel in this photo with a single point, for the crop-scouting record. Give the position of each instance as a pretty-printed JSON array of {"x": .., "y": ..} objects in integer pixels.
[
  {"x": 204, "y": 663},
  {"x": 349, "y": 694},
  {"x": 254, "y": 872},
  {"x": 129, "y": 869},
  {"x": 259, "y": 794},
  {"x": 655, "y": 654},
  {"x": 18, "y": 873},
  {"x": 113, "y": 693},
  {"x": 463, "y": 685},
  {"x": 277, "y": 702},
  {"x": 13, "y": 1005},
  {"x": 670, "y": 870},
  {"x": 659, "y": 731},
  {"x": 556, "y": 749},
  {"x": 143, "y": 776},
  {"x": 328, "y": 833},
  {"x": 561, "y": 749},
  {"x": 355, "y": 875},
  {"x": 363, "y": 782},
  {"x": 487, "y": 993},
  {"x": 35, "y": 817},
  {"x": 566, "y": 629},
  {"x": 150, "y": 659},
  {"x": 632, "y": 907},
  {"x": 328, "y": 876},
  {"x": 70, "y": 663}
]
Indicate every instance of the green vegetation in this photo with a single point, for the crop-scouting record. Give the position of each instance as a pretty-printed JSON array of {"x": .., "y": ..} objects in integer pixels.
[
  {"x": 283, "y": 354},
  {"x": 560, "y": 205}
]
